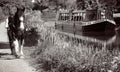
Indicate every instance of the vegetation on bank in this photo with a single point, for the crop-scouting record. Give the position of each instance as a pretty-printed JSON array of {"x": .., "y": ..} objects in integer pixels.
[{"x": 58, "y": 53}]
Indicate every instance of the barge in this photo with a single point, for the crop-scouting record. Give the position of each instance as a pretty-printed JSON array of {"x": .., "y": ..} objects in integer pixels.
[{"x": 86, "y": 20}]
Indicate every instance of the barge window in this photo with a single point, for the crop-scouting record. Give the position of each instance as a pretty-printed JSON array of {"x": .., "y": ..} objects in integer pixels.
[
  {"x": 77, "y": 16},
  {"x": 64, "y": 16}
]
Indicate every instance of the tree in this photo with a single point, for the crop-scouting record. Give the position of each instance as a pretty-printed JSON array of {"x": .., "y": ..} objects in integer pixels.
[
  {"x": 106, "y": 3},
  {"x": 117, "y": 6},
  {"x": 8, "y": 6},
  {"x": 80, "y": 4}
]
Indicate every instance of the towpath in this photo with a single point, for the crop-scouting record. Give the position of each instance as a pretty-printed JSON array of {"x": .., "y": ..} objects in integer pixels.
[{"x": 9, "y": 63}]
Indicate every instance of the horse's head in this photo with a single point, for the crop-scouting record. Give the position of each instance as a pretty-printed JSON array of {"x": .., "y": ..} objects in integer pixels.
[
  {"x": 19, "y": 18},
  {"x": 12, "y": 10},
  {"x": 20, "y": 12}
]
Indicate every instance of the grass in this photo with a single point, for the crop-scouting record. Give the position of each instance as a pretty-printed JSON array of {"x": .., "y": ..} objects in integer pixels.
[{"x": 59, "y": 53}]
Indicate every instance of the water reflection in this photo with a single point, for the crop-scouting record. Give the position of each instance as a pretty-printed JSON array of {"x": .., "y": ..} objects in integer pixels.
[
  {"x": 99, "y": 41},
  {"x": 109, "y": 42}
]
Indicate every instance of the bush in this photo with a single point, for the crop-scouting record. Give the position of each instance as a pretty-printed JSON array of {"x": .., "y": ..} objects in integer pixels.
[
  {"x": 31, "y": 37},
  {"x": 33, "y": 24}
]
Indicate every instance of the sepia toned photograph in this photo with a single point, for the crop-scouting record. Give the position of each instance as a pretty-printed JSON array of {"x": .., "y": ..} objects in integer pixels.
[{"x": 59, "y": 35}]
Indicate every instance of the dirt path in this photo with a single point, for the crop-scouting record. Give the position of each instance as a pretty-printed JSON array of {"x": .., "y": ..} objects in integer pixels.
[
  {"x": 9, "y": 63},
  {"x": 3, "y": 33}
]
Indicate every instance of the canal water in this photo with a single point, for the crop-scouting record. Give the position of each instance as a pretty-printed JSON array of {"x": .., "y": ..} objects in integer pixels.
[{"x": 99, "y": 41}]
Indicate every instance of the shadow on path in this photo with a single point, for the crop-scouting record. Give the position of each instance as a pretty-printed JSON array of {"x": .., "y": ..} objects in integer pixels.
[
  {"x": 2, "y": 54},
  {"x": 5, "y": 53},
  {"x": 7, "y": 57},
  {"x": 4, "y": 45}
]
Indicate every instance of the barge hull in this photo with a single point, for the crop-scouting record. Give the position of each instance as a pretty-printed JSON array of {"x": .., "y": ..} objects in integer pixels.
[{"x": 104, "y": 26}]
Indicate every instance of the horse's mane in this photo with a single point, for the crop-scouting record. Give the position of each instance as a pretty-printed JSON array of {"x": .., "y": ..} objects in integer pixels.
[{"x": 18, "y": 14}]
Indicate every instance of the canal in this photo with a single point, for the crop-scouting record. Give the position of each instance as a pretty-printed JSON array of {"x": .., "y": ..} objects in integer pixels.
[{"x": 99, "y": 41}]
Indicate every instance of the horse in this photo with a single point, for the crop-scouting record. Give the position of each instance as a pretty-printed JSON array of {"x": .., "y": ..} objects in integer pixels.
[{"x": 16, "y": 32}]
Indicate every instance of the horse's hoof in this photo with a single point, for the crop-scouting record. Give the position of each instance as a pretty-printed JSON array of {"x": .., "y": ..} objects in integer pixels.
[
  {"x": 13, "y": 53},
  {"x": 21, "y": 57},
  {"x": 17, "y": 56}
]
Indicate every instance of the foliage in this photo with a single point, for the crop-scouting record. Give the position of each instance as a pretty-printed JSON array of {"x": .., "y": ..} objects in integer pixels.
[
  {"x": 9, "y": 6},
  {"x": 57, "y": 3},
  {"x": 66, "y": 4},
  {"x": 2, "y": 17},
  {"x": 94, "y": 4},
  {"x": 18, "y": 3},
  {"x": 110, "y": 3},
  {"x": 80, "y": 4}
]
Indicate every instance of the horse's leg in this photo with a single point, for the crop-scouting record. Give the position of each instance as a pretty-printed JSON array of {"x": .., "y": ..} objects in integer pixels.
[
  {"x": 12, "y": 48},
  {"x": 21, "y": 43},
  {"x": 16, "y": 47},
  {"x": 21, "y": 48},
  {"x": 11, "y": 42}
]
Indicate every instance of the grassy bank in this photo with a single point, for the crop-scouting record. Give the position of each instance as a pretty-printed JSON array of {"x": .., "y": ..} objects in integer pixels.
[{"x": 58, "y": 53}]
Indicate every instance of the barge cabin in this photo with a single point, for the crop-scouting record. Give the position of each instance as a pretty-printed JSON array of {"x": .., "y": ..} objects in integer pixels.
[{"x": 86, "y": 20}]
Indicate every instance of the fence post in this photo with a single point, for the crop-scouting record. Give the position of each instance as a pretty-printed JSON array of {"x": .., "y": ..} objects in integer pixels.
[
  {"x": 55, "y": 25},
  {"x": 74, "y": 29},
  {"x": 62, "y": 27}
]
